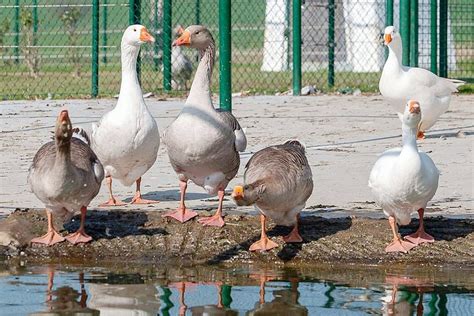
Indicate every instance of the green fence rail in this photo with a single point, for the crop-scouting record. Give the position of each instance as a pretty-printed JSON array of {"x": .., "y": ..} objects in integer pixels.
[{"x": 61, "y": 49}]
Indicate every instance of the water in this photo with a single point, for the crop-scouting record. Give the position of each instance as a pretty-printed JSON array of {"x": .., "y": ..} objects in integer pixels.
[{"x": 241, "y": 290}]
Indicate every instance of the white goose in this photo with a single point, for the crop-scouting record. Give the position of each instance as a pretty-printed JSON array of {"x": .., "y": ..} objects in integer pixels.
[
  {"x": 404, "y": 180},
  {"x": 203, "y": 142},
  {"x": 399, "y": 84},
  {"x": 126, "y": 139}
]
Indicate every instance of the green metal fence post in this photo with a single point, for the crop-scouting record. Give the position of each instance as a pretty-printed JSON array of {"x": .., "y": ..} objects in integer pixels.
[
  {"x": 134, "y": 18},
  {"x": 225, "y": 51},
  {"x": 197, "y": 10},
  {"x": 104, "y": 32},
  {"x": 95, "y": 48},
  {"x": 331, "y": 43},
  {"x": 388, "y": 12},
  {"x": 16, "y": 39},
  {"x": 405, "y": 30},
  {"x": 388, "y": 18},
  {"x": 296, "y": 47},
  {"x": 197, "y": 18},
  {"x": 35, "y": 22},
  {"x": 134, "y": 12},
  {"x": 443, "y": 38},
  {"x": 434, "y": 36},
  {"x": 167, "y": 45},
  {"x": 414, "y": 33}
]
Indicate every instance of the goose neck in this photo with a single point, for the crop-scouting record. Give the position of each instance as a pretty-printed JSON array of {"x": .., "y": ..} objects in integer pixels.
[
  {"x": 409, "y": 135},
  {"x": 200, "y": 93},
  {"x": 63, "y": 154},
  {"x": 129, "y": 85},
  {"x": 395, "y": 54}
]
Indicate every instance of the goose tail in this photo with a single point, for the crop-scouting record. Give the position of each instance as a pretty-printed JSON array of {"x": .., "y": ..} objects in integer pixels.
[
  {"x": 81, "y": 134},
  {"x": 456, "y": 83},
  {"x": 296, "y": 143}
]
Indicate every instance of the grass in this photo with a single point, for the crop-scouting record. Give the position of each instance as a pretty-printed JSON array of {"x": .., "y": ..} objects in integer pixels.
[{"x": 247, "y": 39}]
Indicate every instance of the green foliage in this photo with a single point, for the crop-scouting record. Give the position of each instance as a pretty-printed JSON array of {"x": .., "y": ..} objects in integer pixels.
[{"x": 26, "y": 18}]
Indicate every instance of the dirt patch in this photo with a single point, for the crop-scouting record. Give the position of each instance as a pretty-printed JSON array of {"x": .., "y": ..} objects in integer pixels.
[{"x": 144, "y": 236}]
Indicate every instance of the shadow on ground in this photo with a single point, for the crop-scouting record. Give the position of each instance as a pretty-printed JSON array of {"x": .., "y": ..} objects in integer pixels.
[
  {"x": 312, "y": 228},
  {"x": 113, "y": 224},
  {"x": 441, "y": 228}
]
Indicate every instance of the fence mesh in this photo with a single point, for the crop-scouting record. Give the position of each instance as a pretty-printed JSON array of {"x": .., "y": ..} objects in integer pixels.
[{"x": 45, "y": 45}]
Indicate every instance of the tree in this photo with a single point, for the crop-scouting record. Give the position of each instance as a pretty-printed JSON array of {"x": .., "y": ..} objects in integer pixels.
[
  {"x": 29, "y": 50},
  {"x": 3, "y": 31},
  {"x": 70, "y": 19}
]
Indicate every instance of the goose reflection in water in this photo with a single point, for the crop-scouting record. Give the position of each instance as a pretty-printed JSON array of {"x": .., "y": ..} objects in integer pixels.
[
  {"x": 401, "y": 299},
  {"x": 124, "y": 299},
  {"x": 222, "y": 308},
  {"x": 65, "y": 300},
  {"x": 285, "y": 301}
]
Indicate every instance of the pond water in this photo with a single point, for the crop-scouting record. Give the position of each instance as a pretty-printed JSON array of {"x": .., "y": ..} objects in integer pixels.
[{"x": 236, "y": 290}]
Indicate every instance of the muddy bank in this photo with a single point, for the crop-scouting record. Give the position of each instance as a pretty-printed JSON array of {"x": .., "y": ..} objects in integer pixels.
[{"x": 144, "y": 236}]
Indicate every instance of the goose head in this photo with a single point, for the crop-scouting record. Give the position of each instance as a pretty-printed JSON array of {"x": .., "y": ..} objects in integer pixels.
[
  {"x": 195, "y": 36},
  {"x": 391, "y": 36},
  {"x": 411, "y": 117},
  {"x": 136, "y": 35},
  {"x": 63, "y": 131},
  {"x": 248, "y": 194}
]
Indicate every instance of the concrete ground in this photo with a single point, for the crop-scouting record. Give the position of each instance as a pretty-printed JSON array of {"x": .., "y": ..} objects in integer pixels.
[{"x": 343, "y": 135}]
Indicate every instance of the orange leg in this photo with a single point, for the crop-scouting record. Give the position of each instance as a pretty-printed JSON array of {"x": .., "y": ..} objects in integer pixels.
[
  {"x": 80, "y": 235},
  {"x": 52, "y": 236},
  {"x": 49, "y": 291},
  {"x": 216, "y": 219},
  {"x": 294, "y": 236},
  {"x": 137, "y": 199},
  {"x": 420, "y": 236},
  {"x": 261, "y": 292},
  {"x": 112, "y": 200},
  {"x": 182, "y": 305},
  {"x": 182, "y": 214},
  {"x": 264, "y": 243},
  {"x": 83, "y": 301},
  {"x": 219, "y": 296},
  {"x": 397, "y": 245},
  {"x": 420, "y": 135}
]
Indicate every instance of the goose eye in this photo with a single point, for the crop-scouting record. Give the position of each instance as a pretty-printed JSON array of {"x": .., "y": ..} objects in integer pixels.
[
  {"x": 134, "y": 30},
  {"x": 197, "y": 32}
]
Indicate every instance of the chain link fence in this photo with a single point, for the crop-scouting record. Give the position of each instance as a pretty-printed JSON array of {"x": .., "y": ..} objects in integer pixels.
[{"x": 46, "y": 45}]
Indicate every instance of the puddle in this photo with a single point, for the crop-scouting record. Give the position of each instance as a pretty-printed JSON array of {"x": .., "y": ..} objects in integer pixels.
[{"x": 240, "y": 290}]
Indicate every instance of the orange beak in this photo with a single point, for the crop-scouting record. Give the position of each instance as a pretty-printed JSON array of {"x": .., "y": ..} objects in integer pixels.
[
  {"x": 414, "y": 107},
  {"x": 238, "y": 192},
  {"x": 145, "y": 36},
  {"x": 387, "y": 38},
  {"x": 184, "y": 39},
  {"x": 63, "y": 117}
]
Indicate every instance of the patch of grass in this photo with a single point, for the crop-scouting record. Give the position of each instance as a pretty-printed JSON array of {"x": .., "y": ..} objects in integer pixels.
[{"x": 56, "y": 73}]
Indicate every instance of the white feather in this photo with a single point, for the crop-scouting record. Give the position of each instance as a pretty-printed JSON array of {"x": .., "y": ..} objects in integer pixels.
[
  {"x": 404, "y": 180},
  {"x": 126, "y": 140},
  {"x": 399, "y": 84}
]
